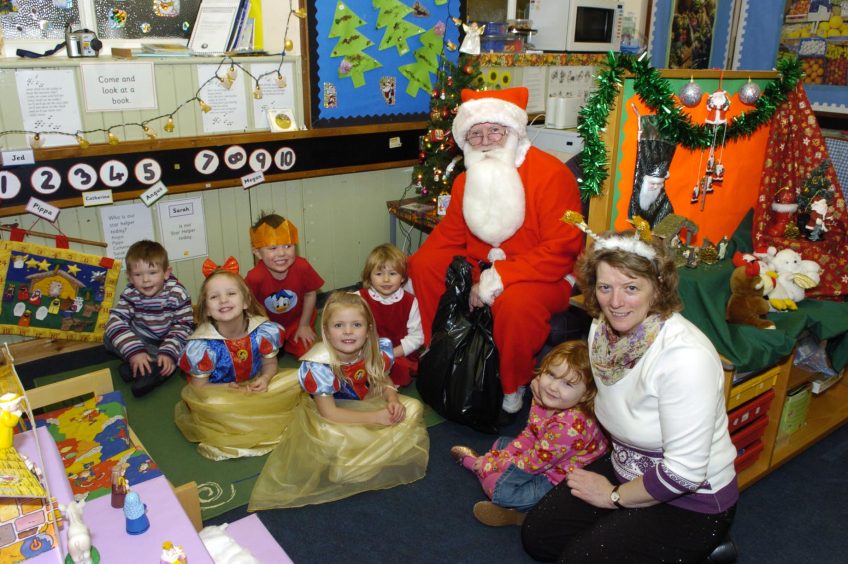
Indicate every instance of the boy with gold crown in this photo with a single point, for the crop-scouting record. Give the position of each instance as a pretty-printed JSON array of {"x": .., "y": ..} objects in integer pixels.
[{"x": 284, "y": 284}]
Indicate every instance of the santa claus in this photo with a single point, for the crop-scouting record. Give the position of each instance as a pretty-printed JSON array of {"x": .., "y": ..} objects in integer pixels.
[{"x": 505, "y": 212}]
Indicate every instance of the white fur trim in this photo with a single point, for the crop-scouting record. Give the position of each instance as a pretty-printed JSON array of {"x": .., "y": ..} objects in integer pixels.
[
  {"x": 490, "y": 286},
  {"x": 496, "y": 253},
  {"x": 492, "y": 110},
  {"x": 627, "y": 244},
  {"x": 784, "y": 208},
  {"x": 493, "y": 204}
]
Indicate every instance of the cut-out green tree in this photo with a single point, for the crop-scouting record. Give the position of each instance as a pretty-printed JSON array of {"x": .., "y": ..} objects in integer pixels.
[
  {"x": 426, "y": 61},
  {"x": 397, "y": 30},
  {"x": 351, "y": 45}
]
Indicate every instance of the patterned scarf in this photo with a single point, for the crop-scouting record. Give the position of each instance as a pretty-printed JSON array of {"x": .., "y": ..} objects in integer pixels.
[{"x": 613, "y": 355}]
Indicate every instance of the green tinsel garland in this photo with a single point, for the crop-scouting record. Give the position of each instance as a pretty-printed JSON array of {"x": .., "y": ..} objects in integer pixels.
[{"x": 674, "y": 124}]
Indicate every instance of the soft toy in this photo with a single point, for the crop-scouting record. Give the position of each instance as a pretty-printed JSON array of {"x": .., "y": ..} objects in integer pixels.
[
  {"x": 747, "y": 304},
  {"x": 792, "y": 276}
]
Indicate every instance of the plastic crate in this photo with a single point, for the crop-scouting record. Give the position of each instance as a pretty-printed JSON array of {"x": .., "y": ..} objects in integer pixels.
[
  {"x": 748, "y": 456},
  {"x": 749, "y": 433},
  {"x": 749, "y": 411},
  {"x": 750, "y": 389}
]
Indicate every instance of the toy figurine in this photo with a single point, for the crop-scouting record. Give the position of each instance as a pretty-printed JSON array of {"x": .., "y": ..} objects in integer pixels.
[
  {"x": 10, "y": 293},
  {"x": 172, "y": 554},
  {"x": 816, "y": 225},
  {"x": 120, "y": 486},
  {"x": 80, "y": 550},
  {"x": 134, "y": 511},
  {"x": 35, "y": 297},
  {"x": 471, "y": 43},
  {"x": 10, "y": 414},
  {"x": 23, "y": 293}
]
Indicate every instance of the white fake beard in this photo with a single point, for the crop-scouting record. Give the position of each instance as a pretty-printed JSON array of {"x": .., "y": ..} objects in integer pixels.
[
  {"x": 647, "y": 196},
  {"x": 493, "y": 204}
]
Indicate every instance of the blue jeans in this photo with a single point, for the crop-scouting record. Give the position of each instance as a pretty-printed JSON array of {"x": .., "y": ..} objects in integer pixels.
[{"x": 517, "y": 489}]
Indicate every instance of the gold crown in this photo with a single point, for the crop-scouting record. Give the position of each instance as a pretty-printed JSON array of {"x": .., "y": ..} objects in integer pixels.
[{"x": 267, "y": 236}]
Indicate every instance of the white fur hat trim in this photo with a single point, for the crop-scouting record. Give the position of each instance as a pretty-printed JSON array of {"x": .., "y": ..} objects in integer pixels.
[
  {"x": 492, "y": 110},
  {"x": 628, "y": 244}
]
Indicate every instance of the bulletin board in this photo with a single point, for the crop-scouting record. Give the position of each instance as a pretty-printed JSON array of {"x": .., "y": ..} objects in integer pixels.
[
  {"x": 663, "y": 37},
  {"x": 721, "y": 211},
  {"x": 375, "y": 61}
]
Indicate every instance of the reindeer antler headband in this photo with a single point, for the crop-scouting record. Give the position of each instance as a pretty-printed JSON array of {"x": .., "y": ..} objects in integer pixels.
[{"x": 635, "y": 244}]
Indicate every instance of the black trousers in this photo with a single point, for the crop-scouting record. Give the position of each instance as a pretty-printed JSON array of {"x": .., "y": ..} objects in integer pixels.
[{"x": 563, "y": 528}]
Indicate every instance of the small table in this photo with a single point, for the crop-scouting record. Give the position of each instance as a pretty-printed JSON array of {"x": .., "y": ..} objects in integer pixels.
[{"x": 412, "y": 212}]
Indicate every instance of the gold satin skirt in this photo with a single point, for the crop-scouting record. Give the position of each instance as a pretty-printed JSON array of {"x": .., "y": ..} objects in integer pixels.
[
  {"x": 230, "y": 423},
  {"x": 318, "y": 461}
]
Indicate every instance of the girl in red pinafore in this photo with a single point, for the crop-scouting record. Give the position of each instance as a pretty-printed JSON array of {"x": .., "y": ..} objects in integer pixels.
[{"x": 395, "y": 310}]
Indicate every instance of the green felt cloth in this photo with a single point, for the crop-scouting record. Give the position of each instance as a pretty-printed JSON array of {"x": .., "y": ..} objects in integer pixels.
[{"x": 705, "y": 291}]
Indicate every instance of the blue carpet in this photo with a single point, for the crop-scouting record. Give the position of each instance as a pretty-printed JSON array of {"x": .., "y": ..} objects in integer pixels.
[{"x": 794, "y": 515}]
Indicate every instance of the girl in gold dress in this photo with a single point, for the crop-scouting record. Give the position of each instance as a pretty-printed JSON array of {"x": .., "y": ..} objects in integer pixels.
[
  {"x": 355, "y": 433},
  {"x": 237, "y": 402}
]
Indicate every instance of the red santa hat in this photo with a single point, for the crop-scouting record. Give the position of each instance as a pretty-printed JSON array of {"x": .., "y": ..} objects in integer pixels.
[
  {"x": 506, "y": 107},
  {"x": 785, "y": 201}
]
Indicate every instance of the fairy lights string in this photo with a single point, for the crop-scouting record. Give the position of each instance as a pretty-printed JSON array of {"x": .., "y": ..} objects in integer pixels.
[{"x": 36, "y": 138}]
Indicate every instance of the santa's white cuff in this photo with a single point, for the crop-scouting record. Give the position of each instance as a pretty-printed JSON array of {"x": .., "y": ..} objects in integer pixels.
[
  {"x": 490, "y": 286},
  {"x": 496, "y": 253}
]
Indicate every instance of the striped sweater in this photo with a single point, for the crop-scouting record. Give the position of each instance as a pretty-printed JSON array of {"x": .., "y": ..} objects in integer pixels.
[{"x": 165, "y": 318}]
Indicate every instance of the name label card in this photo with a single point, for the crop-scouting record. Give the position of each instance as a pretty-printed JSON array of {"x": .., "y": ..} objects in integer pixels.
[
  {"x": 252, "y": 179},
  {"x": 97, "y": 198},
  {"x": 42, "y": 209},
  {"x": 154, "y": 193},
  {"x": 16, "y": 158}
]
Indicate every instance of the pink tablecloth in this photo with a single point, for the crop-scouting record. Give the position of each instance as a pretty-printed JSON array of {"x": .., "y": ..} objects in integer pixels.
[{"x": 168, "y": 521}]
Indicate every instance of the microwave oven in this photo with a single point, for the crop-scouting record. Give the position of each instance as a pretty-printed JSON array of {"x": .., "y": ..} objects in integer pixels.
[{"x": 576, "y": 25}]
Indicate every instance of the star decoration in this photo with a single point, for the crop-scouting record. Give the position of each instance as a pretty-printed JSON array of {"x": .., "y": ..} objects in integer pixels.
[
  {"x": 44, "y": 265},
  {"x": 73, "y": 269},
  {"x": 31, "y": 263}
]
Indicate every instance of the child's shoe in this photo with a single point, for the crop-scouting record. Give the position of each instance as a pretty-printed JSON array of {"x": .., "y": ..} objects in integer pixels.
[
  {"x": 145, "y": 383},
  {"x": 459, "y": 453},
  {"x": 496, "y": 516},
  {"x": 125, "y": 372}
]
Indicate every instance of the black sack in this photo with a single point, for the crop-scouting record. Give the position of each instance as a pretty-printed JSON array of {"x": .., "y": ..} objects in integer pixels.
[{"x": 458, "y": 375}]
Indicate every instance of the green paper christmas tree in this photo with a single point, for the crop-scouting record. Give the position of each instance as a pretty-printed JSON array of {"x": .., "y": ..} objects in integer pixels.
[
  {"x": 351, "y": 45},
  {"x": 426, "y": 61},
  {"x": 440, "y": 160},
  {"x": 398, "y": 30}
]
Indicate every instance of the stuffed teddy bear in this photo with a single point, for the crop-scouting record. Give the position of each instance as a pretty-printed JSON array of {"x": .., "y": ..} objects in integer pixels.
[
  {"x": 747, "y": 303},
  {"x": 792, "y": 276}
]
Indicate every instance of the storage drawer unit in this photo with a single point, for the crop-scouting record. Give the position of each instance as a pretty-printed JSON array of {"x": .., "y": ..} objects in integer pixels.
[
  {"x": 748, "y": 456},
  {"x": 749, "y": 411},
  {"x": 749, "y": 433}
]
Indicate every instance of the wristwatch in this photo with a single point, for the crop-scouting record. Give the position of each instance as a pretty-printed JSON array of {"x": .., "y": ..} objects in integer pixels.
[{"x": 615, "y": 497}]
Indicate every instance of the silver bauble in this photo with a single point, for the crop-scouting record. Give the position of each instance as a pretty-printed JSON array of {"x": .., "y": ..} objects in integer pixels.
[
  {"x": 691, "y": 94},
  {"x": 749, "y": 93}
]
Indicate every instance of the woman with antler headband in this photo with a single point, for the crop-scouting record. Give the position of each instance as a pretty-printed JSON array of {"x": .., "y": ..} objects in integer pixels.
[
  {"x": 236, "y": 403},
  {"x": 668, "y": 491}
]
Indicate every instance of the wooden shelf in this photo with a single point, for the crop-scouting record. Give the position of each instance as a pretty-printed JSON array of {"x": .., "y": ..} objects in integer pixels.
[{"x": 828, "y": 411}]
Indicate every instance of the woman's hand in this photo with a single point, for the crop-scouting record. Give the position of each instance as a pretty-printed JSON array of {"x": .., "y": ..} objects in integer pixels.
[
  {"x": 591, "y": 487},
  {"x": 397, "y": 411}
]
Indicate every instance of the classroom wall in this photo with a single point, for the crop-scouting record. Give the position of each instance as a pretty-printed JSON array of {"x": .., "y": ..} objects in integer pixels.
[{"x": 340, "y": 218}]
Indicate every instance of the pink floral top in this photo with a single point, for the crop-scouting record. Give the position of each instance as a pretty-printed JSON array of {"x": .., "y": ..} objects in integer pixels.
[{"x": 553, "y": 443}]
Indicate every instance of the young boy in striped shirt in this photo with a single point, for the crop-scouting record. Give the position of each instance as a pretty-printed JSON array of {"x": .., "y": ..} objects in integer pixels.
[{"x": 149, "y": 325}]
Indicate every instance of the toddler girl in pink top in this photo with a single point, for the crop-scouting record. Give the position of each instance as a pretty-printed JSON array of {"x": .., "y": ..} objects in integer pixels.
[{"x": 561, "y": 435}]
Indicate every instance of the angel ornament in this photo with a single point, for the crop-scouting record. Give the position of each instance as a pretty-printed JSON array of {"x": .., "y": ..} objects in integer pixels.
[{"x": 471, "y": 42}]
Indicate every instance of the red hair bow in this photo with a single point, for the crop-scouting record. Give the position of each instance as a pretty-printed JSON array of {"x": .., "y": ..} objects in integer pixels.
[{"x": 230, "y": 265}]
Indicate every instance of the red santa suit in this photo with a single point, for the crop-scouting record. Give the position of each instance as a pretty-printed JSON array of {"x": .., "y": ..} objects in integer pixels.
[{"x": 528, "y": 285}]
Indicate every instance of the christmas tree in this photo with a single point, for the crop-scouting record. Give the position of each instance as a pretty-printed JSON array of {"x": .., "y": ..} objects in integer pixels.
[
  {"x": 440, "y": 160},
  {"x": 426, "y": 60},
  {"x": 351, "y": 45}
]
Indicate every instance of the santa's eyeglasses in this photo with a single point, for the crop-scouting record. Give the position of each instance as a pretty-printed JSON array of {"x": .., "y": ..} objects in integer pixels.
[{"x": 493, "y": 134}]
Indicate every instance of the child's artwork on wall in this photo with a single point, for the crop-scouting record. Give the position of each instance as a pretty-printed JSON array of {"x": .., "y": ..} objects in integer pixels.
[
  {"x": 55, "y": 293},
  {"x": 376, "y": 61}
]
